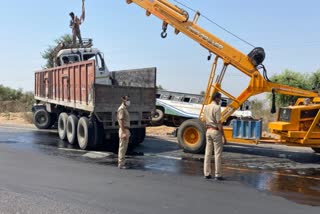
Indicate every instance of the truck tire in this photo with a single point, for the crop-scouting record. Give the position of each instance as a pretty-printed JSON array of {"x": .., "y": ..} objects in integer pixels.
[
  {"x": 141, "y": 135},
  {"x": 41, "y": 119},
  {"x": 113, "y": 144},
  {"x": 137, "y": 136},
  {"x": 62, "y": 125},
  {"x": 72, "y": 126},
  {"x": 98, "y": 133},
  {"x": 192, "y": 136},
  {"x": 316, "y": 149},
  {"x": 54, "y": 119},
  {"x": 157, "y": 118},
  {"x": 84, "y": 133}
]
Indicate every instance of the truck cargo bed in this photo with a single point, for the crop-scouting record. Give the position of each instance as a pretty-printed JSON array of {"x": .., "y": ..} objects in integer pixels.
[{"x": 73, "y": 86}]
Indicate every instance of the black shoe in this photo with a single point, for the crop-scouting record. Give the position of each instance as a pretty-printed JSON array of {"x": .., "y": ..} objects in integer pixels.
[
  {"x": 219, "y": 178},
  {"x": 208, "y": 177}
]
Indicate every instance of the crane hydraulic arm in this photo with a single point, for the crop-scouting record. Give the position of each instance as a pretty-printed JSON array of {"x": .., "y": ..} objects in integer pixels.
[{"x": 248, "y": 64}]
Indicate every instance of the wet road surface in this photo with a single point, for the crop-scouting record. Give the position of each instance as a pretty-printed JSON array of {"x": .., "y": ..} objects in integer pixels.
[{"x": 291, "y": 173}]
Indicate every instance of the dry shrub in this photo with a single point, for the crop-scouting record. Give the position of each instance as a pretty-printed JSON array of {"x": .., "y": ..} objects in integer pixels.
[
  {"x": 27, "y": 116},
  {"x": 14, "y": 106}
]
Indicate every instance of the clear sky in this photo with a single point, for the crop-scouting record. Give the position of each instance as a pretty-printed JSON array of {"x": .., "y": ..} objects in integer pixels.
[{"x": 289, "y": 31}]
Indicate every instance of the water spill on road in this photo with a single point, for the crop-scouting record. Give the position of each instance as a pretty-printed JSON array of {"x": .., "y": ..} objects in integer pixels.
[
  {"x": 294, "y": 187},
  {"x": 263, "y": 172}
]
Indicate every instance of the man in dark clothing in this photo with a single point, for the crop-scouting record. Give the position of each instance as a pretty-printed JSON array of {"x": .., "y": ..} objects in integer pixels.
[{"x": 75, "y": 26}]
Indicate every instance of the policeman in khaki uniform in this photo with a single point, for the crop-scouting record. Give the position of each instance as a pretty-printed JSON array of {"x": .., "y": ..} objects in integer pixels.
[
  {"x": 124, "y": 132},
  {"x": 214, "y": 136}
]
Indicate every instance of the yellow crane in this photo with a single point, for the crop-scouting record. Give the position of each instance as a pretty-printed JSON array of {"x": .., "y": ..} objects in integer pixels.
[{"x": 299, "y": 127}]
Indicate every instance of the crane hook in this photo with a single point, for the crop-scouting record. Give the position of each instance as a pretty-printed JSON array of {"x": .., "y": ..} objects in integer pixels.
[
  {"x": 164, "y": 30},
  {"x": 164, "y": 34},
  {"x": 209, "y": 57}
]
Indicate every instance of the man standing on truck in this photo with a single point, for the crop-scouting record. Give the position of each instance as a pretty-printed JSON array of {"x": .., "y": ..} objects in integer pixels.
[
  {"x": 124, "y": 132},
  {"x": 75, "y": 26},
  {"x": 215, "y": 137}
]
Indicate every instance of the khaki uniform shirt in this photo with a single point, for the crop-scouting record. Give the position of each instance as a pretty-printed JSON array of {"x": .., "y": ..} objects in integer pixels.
[
  {"x": 212, "y": 114},
  {"x": 123, "y": 114}
]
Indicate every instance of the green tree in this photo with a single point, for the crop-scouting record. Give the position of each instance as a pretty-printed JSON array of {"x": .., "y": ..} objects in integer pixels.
[
  {"x": 160, "y": 87},
  {"x": 49, "y": 53},
  {"x": 290, "y": 78},
  {"x": 314, "y": 80},
  {"x": 7, "y": 93}
]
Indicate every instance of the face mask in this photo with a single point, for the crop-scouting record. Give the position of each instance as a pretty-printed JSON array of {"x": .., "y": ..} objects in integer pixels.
[{"x": 128, "y": 103}]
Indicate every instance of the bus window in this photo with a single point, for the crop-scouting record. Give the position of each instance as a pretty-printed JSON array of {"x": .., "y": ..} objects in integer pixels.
[
  {"x": 176, "y": 98},
  {"x": 186, "y": 99},
  {"x": 165, "y": 97},
  {"x": 194, "y": 100},
  {"x": 224, "y": 102}
]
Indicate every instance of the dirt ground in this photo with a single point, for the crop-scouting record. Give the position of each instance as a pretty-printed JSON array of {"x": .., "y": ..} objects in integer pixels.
[
  {"x": 25, "y": 118},
  {"x": 16, "y": 118}
]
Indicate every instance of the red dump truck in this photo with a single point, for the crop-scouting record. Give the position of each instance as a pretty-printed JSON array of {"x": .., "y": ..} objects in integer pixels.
[{"x": 82, "y": 96}]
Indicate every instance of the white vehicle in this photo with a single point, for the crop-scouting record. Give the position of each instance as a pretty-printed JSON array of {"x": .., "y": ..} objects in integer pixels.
[{"x": 173, "y": 108}]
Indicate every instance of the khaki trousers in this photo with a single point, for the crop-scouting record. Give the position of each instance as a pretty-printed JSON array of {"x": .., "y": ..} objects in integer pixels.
[
  {"x": 214, "y": 139},
  {"x": 123, "y": 146}
]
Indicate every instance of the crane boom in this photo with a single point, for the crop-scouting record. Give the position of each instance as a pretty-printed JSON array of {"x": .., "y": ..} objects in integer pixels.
[{"x": 179, "y": 19}]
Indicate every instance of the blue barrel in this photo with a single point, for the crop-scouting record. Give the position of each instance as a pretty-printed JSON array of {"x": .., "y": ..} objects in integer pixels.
[{"x": 247, "y": 129}]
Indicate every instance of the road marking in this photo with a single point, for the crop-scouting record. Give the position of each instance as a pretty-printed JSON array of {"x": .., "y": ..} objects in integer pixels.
[
  {"x": 73, "y": 150},
  {"x": 96, "y": 155},
  {"x": 162, "y": 156},
  {"x": 91, "y": 154}
]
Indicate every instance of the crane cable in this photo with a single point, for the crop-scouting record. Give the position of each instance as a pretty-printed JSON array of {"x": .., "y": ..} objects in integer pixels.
[
  {"x": 261, "y": 66},
  {"x": 223, "y": 28}
]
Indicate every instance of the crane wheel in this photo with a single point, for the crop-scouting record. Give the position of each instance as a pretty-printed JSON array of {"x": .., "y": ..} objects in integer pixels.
[
  {"x": 192, "y": 136},
  {"x": 316, "y": 150}
]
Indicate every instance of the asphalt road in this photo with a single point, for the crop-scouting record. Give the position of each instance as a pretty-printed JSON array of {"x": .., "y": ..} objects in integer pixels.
[{"x": 42, "y": 174}]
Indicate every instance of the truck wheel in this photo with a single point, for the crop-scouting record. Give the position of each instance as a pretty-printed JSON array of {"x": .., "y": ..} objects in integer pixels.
[
  {"x": 42, "y": 119},
  {"x": 137, "y": 136},
  {"x": 157, "y": 119},
  {"x": 316, "y": 149},
  {"x": 98, "y": 133},
  {"x": 53, "y": 119},
  {"x": 192, "y": 136},
  {"x": 141, "y": 135},
  {"x": 84, "y": 133},
  {"x": 113, "y": 144},
  {"x": 62, "y": 125},
  {"x": 72, "y": 125}
]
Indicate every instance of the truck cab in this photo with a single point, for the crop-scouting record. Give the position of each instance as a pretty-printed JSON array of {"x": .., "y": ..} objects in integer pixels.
[{"x": 66, "y": 55}]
